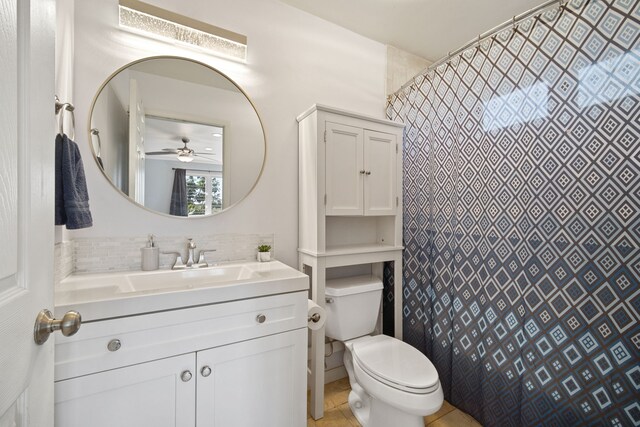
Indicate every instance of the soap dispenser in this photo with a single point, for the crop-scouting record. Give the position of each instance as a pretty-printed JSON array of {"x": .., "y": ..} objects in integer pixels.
[{"x": 150, "y": 255}]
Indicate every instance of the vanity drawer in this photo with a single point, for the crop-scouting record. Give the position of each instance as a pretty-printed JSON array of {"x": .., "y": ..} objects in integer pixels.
[{"x": 158, "y": 335}]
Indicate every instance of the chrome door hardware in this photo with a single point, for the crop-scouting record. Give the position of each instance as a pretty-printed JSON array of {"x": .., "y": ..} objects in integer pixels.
[
  {"x": 205, "y": 371},
  {"x": 114, "y": 345},
  {"x": 260, "y": 318},
  {"x": 186, "y": 376},
  {"x": 315, "y": 318},
  {"x": 46, "y": 324}
]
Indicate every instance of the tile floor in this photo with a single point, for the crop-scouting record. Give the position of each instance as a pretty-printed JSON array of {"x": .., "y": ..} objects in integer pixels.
[{"x": 338, "y": 414}]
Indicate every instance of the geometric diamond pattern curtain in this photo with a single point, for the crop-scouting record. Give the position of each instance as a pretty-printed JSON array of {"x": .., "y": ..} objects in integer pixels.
[{"x": 522, "y": 220}]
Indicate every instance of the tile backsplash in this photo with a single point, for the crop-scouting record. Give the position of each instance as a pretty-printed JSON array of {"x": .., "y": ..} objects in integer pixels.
[
  {"x": 94, "y": 255},
  {"x": 63, "y": 261}
]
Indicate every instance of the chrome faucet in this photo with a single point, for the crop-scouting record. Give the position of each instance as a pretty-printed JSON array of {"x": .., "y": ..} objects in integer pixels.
[
  {"x": 177, "y": 264},
  {"x": 196, "y": 260},
  {"x": 191, "y": 247}
]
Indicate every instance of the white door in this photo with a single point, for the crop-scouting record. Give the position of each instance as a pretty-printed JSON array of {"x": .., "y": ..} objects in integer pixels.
[
  {"x": 26, "y": 208},
  {"x": 161, "y": 393},
  {"x": 256, "y": 382},
  {"x": 136, "y": 143},
  {"x": 344, "y": 169},
  {"x": 380, "y": 160}
]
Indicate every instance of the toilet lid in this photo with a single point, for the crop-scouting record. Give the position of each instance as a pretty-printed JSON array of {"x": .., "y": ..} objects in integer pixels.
[{"x": 396, "y": 364}]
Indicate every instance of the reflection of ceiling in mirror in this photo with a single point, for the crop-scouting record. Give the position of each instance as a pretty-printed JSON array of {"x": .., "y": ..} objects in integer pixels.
[
  {"x": 165, "y": 135},
  {"x": 185, "y": 71}
]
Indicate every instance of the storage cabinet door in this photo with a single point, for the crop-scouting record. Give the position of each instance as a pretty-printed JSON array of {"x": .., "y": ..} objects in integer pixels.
[
  {"x": 344, "y": 169},
  {"x": 148, "y": 394},
  {"x": 380, "y": 159},
  {"x": 261, "y": 382}
]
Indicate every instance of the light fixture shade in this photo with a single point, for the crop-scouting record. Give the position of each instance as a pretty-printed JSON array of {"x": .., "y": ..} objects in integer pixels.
[
  {"x": 160, "y": 23},
  {"x": 185, "y": 156}
]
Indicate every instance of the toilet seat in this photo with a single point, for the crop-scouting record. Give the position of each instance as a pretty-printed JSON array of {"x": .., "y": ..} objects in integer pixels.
[{"x": 395, "y": 364}]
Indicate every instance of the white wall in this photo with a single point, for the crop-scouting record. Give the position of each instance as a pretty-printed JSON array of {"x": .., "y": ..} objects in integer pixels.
[
  {"x": 294, "y": 60},
  {"x": 402, "y": 66}
]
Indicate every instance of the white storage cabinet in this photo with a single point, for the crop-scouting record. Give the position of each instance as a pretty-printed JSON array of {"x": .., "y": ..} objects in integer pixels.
[{"x": 350, "y": 207}]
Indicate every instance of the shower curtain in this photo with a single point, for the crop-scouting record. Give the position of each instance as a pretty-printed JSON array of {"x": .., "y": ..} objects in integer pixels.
[{"x": 522, "y": 219}]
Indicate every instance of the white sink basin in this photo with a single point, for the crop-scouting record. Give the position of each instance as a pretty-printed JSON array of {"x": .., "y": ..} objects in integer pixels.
[
  {"x": 106, "y": 295},
  {"x": 179, "y": 279}
]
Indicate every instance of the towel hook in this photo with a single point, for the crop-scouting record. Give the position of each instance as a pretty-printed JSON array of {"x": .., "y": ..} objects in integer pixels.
[
  {"x": 60, "y": 108},
  {"x": 96, "y": 132}
]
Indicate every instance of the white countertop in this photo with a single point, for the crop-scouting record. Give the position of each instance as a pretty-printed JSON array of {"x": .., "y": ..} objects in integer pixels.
[{"x": 109, "y": 295}]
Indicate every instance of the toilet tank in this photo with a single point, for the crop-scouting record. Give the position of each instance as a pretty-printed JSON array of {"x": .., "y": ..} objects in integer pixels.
[{"x": 352, "y": 305}]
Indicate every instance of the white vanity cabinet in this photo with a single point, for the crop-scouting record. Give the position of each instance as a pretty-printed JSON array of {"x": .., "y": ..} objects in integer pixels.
[
  {"x": 253, "y": 382},
  {"x": 239, "y": 363},
  {"x": 147, "y": 394},
  {"x": 360, "y": 168}
]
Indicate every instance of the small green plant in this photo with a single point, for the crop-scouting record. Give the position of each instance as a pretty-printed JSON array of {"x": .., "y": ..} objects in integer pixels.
[{"x": 264, "y": 248}]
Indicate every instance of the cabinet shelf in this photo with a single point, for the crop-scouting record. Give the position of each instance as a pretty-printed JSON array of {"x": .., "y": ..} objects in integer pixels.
[{"x": 352, "y": 250}]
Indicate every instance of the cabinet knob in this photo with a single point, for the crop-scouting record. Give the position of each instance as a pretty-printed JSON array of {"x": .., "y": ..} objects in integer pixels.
[
  {"x": 362, "y": 172},
  {"x": 186, "y": 376},
  {"x": 368, "y": 172},
  {"x": 260, "y": 318},
  {"x": 114, "y": 345},
  {"x": 205, "y": 371}
]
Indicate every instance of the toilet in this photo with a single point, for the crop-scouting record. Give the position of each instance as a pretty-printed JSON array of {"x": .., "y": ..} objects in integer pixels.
[{"x": 392, "y": 383}]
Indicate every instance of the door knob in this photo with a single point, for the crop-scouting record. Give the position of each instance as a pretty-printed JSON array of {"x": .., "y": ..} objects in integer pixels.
[{"x": 46, "y": 324}]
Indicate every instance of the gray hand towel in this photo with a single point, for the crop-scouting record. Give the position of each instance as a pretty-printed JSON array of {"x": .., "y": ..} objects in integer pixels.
[{"x": 72, "y": 197}]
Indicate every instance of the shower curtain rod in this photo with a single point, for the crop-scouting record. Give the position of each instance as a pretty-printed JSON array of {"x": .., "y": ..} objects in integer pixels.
[{"x": 483, "y": 36}]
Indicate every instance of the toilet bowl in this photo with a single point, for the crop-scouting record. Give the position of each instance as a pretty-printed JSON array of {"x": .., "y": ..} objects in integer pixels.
[
  {"x": 396, "y": 384},
  {"x": 392, "y": 383}
]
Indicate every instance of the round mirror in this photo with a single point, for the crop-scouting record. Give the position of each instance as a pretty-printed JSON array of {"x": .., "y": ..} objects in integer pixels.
[{"x": 177, "y": 137}]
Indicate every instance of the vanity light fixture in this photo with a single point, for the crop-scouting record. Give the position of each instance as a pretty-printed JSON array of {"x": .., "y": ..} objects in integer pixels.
[{"x": 160, "y": 23}]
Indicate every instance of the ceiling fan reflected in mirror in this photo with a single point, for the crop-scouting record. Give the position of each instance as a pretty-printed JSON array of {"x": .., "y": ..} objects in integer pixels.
[{"x": 184, "y": 154}]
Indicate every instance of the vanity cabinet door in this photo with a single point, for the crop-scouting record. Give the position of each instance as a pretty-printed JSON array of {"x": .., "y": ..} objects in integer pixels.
[
  {"x": 257, "y": 382},
  {"x": 149, "y": 394}
]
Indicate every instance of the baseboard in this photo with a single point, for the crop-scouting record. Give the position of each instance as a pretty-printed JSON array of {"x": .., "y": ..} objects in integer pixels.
[{"x": 334, "y": 374}]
